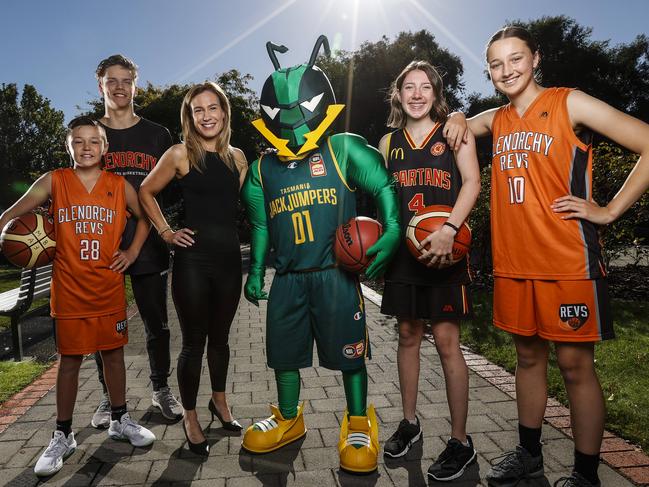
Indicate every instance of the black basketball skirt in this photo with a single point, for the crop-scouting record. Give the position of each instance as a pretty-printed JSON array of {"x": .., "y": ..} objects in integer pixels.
[{"x": 437, "y": 303}]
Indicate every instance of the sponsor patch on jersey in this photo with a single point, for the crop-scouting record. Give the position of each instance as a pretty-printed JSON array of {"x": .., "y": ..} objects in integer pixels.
[
  {"x": 438, "y": 148},
  {"x": 292, "y": 165},
  {"x": 354, "y": 350},
  {"x": 358, "y": 315},
  {"x": 316, "y": 164},
  {"x": 543, "y": 115},
  {"x": 121, "y": 326},
  {"x": 574, "y": 315}
]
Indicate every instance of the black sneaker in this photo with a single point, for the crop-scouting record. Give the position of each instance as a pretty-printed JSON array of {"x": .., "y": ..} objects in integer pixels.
[
  {"x": 453, "y": 460},
  {"x": 509, "y": 469},
  {"x": 575, "y": 480},
  {"x": 400, "y": 442}
]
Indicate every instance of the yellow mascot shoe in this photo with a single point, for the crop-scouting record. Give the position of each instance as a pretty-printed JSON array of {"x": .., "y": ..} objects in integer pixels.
[
  {"x": 359, "y": 442},
  {"x": 272, "y": 433}
]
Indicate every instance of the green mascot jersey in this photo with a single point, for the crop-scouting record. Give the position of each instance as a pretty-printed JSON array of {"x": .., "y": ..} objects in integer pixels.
[
  {"x": 305, "y": 202},
  {"x": 300, "y": 203}
]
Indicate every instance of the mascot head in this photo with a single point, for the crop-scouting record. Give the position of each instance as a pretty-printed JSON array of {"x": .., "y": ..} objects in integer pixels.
[{"x": 297, "y": 104}]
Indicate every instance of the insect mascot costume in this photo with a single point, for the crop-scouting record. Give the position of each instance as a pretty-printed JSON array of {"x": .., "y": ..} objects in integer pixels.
[{"x": 296, "y": 197}]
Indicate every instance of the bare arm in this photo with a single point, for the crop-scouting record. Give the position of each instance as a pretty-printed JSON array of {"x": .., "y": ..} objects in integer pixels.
[
  {"x": 36, "y": 195},
  {"x": 456, "y": 127},
  {"x": 441, "y": 241},
  {"x": 122, "y": 259},
  {"x": 629, "y": 132},
  {"x": 242, "y": 165},
  {"x": 173, "y": 163},
  {"x": 383, "y": 145}
]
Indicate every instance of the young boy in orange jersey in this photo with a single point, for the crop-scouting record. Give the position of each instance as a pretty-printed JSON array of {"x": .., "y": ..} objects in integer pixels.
[{"x": 88, "y": 298}]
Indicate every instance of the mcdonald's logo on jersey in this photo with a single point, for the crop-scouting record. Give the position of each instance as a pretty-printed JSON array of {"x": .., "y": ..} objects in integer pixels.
[{"x": 397, "y": 154}]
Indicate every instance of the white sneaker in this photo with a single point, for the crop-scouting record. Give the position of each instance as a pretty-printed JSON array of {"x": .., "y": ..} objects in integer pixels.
[
  {"x": 101, "y": 418},
  {"x": 167, "y": 403},
  {"x": 126, "y": 429},
  {"x": 60, "y": 448}
]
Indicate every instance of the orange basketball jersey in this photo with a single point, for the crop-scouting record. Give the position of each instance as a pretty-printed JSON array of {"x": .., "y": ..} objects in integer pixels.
[
  {"x": 537, "y": 158},
  {"x": 88, "y": 228}
]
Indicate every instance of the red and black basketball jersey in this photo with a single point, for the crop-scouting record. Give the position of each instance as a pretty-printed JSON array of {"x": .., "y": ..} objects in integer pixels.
[
  {"x": 424, "y": 175},
  {"x": 88, "y": 227},
  {"x": 537, "y": 157},
  {"x": 133, "y": 153}
]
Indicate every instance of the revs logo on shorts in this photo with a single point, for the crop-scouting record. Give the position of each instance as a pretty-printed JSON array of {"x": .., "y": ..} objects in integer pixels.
[
  {"x": 316, "y": 164},
  {"x": 358, "y": 315},
  {"x": 121, "y": 327},
  {"x": 574, "y": 315},
  {"x": 354, "y": 350}
]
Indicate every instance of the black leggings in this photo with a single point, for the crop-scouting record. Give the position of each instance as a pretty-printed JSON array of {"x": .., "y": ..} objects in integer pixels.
[{"x": 206, "y": 290}]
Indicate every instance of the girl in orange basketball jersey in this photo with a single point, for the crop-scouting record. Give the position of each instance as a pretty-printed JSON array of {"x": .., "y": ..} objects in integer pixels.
[
  {"x": 549, "y": 280},
  {"x": 88, "y": 298},
  {"x": 428, "y": 172}
]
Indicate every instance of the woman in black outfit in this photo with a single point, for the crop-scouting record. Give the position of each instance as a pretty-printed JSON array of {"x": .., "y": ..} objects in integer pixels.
[{"x": 206, "y": 278}]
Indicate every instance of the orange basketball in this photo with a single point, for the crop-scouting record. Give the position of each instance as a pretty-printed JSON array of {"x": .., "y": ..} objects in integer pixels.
[
  {"x": 28, "y": 240},
  {"x": 352, "y": 241},
  {"x": 430, "y": 219}
]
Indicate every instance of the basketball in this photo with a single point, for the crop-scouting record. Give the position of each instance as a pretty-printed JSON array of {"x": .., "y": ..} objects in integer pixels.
[
  {"x": 352, "y": 241},
  {"x": 28, "y": 240},
  {"x": 428, "y": 220}
]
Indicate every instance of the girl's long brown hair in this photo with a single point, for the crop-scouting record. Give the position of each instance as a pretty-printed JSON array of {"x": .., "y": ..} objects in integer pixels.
[
  {"x": 439, "y": 111},
  {"x": 191, "y": 137}
]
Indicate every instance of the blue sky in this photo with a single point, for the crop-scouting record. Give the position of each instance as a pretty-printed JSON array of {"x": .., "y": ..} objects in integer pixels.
[{"x": 55, "y": 45}]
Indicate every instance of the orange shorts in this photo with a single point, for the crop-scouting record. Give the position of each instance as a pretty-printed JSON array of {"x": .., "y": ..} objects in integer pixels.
[
  {"x": 81, "y": 336},
  {"x": 560, "y": 311}
]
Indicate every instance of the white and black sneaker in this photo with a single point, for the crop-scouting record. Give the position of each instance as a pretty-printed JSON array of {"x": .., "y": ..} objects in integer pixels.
[
  {"x": 508, "y": 469},
  {"x": 401, "y": 440},
  {"x": 453, "y": 461},
  {"x": 169, "y": 406},
  {"x": 101, "y": 418},
  {"x": 60, "y": 448},
  {"x": 126, "y": 429}
]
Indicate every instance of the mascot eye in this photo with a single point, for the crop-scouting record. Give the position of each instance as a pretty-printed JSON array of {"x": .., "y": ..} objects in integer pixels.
[
  {"x": 271, "y": 112},
  {"x": 312, "y": 103}
]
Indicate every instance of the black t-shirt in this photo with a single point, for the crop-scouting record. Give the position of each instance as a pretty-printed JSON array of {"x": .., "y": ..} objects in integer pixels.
[{"x": 133, "y": 153}]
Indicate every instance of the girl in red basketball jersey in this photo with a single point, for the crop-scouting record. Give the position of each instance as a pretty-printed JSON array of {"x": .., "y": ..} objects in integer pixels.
[
  {"x": 428, "y": 172},
  {"x": 549, "y": 281},
  {"x": 88, "y": 298}
]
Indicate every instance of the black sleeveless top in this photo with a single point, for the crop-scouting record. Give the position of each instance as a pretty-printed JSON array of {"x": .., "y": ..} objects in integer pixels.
[
  {"x": 424, "y": 175},
  {"x": 210, "y": 205}
]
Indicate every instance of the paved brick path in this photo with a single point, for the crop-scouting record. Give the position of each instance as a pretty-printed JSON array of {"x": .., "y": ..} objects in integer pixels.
[{"x": 313, "y": 461}]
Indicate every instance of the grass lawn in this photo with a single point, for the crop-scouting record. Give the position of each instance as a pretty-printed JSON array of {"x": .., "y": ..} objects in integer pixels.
[
  {"x": 622, "y": 364},
  {"x": 16, "y": 375}
]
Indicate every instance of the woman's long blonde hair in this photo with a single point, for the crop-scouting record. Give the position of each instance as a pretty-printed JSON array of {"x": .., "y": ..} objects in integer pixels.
[
  {"x": 191, "y": 137},
  {"x": 439, "y": 110}
]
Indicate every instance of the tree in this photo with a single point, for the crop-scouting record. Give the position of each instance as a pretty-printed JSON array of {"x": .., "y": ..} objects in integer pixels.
[
  {"x": 32, "y": 140},
  {"x": 370, "y": 70}
]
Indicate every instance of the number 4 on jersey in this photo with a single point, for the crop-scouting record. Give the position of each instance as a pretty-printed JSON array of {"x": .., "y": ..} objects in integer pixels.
[{"x": 416, "y": 203}]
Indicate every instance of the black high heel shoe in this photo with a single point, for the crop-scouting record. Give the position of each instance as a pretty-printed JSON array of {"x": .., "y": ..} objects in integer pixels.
[
  {"x": 202, "y": 448},
  {"x": 227, "y": 425}
]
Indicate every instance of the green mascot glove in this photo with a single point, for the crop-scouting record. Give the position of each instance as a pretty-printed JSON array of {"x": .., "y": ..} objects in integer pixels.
[
  {"x": 364, "y": 167},
  {"x": 252, "y": 195},
  {"x": 254, "y": 288}
]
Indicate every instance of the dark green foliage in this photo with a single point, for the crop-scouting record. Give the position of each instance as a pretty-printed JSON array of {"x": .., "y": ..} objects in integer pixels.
[
  {"x": 31, "y": 140},
  {"x": 373, "y": 67}
]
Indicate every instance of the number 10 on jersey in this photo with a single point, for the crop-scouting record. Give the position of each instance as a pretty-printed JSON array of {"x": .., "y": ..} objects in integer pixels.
[{"x": 516, "y": 190}]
